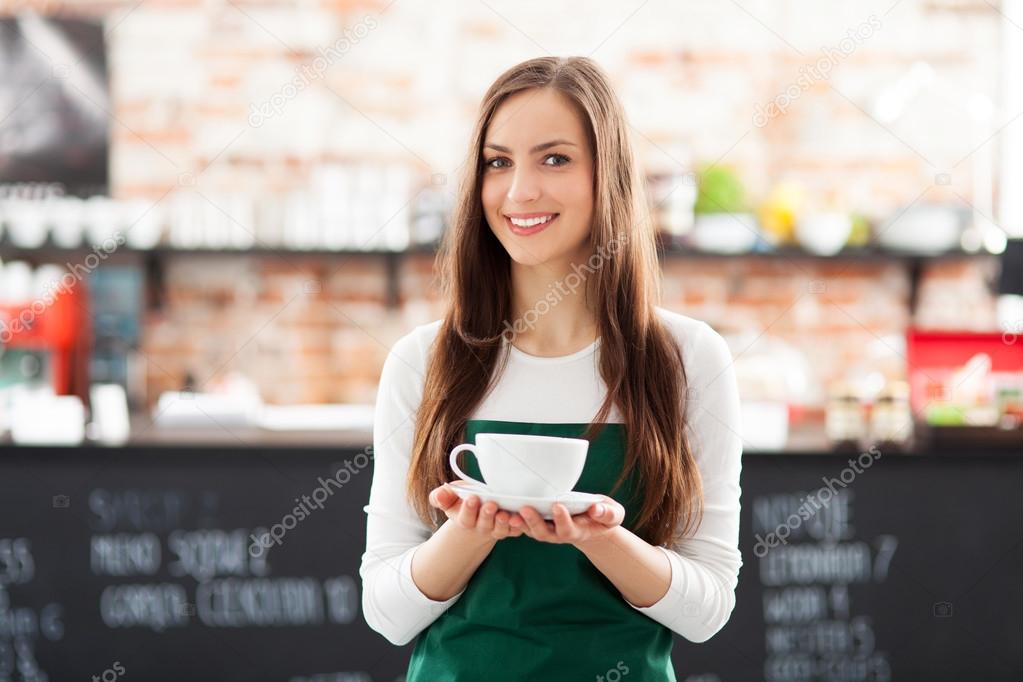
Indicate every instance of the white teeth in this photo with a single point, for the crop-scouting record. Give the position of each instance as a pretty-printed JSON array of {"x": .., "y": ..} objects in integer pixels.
[{"x": 530, "y": 222}]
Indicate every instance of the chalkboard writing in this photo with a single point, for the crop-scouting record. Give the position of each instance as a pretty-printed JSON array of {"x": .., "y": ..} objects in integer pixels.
[
  {"x": 119, "y": 570},
  {"x": 178, "y": 564},
  {"x": 854, "y": 573}
]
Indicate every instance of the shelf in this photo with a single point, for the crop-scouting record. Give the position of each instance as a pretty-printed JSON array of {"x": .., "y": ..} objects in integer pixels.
[
  {"x": 664, "y": 250},
  {"x": 152, "y": 259},
  {"x": 48, "y": 250},
  {"x": 859, "y": 253}
]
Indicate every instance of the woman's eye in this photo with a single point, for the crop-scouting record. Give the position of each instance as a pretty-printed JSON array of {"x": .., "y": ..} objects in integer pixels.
[{"x": 561, "y": 158}]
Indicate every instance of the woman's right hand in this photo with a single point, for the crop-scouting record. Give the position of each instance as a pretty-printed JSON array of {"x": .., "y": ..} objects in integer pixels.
[{"x": 485, "y": 521}]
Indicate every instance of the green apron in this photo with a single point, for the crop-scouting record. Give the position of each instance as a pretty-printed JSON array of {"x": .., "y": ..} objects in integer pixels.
[{"x": 542, "y": 612}]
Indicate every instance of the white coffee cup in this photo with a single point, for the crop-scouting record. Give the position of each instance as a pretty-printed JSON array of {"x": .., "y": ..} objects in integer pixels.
[{"x": 525, "y": 465}]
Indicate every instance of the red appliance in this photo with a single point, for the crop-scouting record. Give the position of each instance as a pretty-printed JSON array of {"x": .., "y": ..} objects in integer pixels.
[
  {"x": 60, "y": 330},
  {"x": 932, "y": 357}
]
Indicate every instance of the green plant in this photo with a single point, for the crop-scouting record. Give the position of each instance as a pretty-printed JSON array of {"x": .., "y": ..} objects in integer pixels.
[{"x": 719, "y": 190}]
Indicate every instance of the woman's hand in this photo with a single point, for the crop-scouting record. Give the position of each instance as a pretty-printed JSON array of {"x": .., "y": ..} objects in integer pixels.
[
  {"x": 599, "y": 520},
  {"x": 487, "y": 521}
]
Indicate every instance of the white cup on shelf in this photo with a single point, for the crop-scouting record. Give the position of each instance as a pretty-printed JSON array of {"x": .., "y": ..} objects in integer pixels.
[
  {"x": 26, "y": 222},
  {"x": 142, "y": 223},
  {"x": 102, "y": 219},
  {"x": 66, "y": 216},
  {"x": 15, "y": 283}
]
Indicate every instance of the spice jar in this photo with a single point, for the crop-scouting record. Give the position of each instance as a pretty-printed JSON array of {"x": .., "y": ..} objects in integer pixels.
[
  {"x": 891, "y": 419},
  {"x": 844, "y": 422}
]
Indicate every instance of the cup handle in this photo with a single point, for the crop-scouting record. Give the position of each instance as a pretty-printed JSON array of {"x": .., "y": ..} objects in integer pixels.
[{"x": 453, "y": 458}]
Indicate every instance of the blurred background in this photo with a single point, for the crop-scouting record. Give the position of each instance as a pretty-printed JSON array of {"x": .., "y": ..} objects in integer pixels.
[
  {"x": 244, "y": 198},
  {"x": 217, "y": 216}
]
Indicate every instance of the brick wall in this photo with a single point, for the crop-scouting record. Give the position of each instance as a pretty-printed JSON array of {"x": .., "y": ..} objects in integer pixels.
[
  {"x": 201, "y": 102},
  {"x": 303, "y": 341}
]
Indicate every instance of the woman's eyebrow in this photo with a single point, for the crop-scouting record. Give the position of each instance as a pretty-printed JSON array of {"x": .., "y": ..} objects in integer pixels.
[{"x": 534, "y": 150}]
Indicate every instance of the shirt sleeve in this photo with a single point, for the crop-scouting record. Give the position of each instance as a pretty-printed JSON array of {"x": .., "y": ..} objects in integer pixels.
[
  {"x": 392, "y": 604},
  {"x": 705, "y": 565}
]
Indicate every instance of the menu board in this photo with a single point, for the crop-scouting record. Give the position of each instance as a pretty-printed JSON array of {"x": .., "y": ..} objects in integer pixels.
[
  {"x": 873, "y": 568},
  {"x": 176, "y": 563},
  {"x": 184, "y": 565}
]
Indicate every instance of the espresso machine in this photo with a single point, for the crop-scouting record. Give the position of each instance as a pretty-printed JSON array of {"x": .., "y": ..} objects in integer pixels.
[{"x": 46, "y": 341}]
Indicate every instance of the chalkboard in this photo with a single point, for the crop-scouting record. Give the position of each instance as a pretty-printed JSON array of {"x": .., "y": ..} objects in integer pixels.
[
  {"x": 873, "y": 567},
  {"x": 242, "y": 563},
  {"x": 149, "y": 565}
]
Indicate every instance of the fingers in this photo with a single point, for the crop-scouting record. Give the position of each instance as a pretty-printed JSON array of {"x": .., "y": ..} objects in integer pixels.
[
  {"x": 442, "y": 497},
  {"x": 473, "y": 514},
  {"x": 501, "y": 528},
  {"x": 608, "y": 513},
  {"x": 485, "y": 522},
  {"x": 467, "y": 513},
  {"x": 564, "y": 529},
  {"x": 537, "y": 527}
]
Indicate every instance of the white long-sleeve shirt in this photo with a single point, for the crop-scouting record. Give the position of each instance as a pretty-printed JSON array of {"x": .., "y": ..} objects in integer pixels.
[{"x": 705, "y": 566}]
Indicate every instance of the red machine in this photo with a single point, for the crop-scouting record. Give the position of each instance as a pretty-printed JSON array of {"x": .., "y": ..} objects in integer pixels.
[
  {"x": 60, "y": 330},
  {"x": 933, "y": 355}
]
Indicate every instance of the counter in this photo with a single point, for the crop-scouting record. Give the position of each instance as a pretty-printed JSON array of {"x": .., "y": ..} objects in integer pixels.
[{"x": 805, "y": 437}]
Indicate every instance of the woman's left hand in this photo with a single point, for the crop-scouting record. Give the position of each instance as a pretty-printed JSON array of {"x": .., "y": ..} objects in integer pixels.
[{"x": 599, "y": 520}]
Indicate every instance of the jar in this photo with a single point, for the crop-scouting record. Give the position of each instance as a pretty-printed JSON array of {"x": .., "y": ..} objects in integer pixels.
[
  {"x": 844, "y": 423},
  {"x": 891, "y": 420}
]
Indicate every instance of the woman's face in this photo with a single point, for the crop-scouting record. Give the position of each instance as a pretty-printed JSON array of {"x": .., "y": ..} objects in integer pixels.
[{"x": 537, "y": 163}]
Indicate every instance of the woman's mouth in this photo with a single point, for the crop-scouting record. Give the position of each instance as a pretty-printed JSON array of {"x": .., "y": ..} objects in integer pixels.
[{"x": 528, "y": 226}]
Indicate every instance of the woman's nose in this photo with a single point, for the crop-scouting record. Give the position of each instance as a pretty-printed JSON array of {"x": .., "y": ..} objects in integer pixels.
[{"x": 525, "y": 186}]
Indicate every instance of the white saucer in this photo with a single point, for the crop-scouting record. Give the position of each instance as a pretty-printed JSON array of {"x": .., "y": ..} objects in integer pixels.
[{"x": 575, "y": 502}]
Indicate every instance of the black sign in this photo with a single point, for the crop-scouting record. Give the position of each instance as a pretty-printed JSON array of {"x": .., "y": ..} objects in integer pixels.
[{"x": 214, "y": 564}]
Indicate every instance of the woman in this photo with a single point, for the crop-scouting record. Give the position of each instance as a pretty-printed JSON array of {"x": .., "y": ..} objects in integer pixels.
[{"x": 553, "y": 328}]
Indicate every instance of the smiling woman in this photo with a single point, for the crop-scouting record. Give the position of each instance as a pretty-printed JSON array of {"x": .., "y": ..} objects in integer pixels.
[
  {"x": 528, "y": 188},
  {"x": 551, "y": 241}
]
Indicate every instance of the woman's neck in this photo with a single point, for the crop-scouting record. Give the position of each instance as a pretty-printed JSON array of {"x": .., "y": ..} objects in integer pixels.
[{"x": 550, "y": 315}]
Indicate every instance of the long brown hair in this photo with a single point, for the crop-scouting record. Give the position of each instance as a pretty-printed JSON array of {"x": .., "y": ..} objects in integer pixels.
[{"x": 640, "y": 361}]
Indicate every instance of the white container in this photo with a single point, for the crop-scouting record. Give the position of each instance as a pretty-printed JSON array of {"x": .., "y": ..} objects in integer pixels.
[
  {"x": 46, "y": 282},
  {"x": 725, "y": 232},
  {"x": 16, "y": 279},
  {"x": 765, "y": 425},
  {"x": 26, "y": 222},
  {"x": 41, "y": 418},
  {"x": 66, "y": 215},
  {"x": 206, "y": 410},
  {"x": 824, "y": 234},
  {"x": 111, "y": 424},
  {"x": 924, "y": 229},
  {"x": 102, "y": 219},
  {"x": 143, "y": 223}
]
